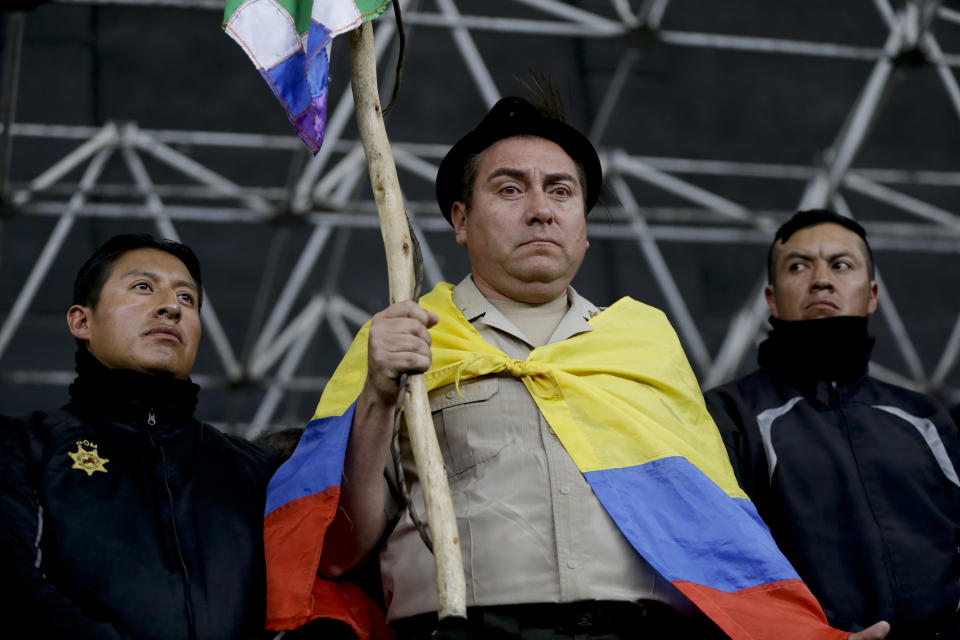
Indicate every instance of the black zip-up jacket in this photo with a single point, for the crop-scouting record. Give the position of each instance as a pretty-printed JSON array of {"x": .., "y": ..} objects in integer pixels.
[
  {"x": 121, "y": 516},
  {"x": 857, "y": 479}
]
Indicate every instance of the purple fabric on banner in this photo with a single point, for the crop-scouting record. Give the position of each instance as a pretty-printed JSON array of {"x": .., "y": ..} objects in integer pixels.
[
  {"x": 315, "y": 119},
  {"x": 301, "y": 82}
]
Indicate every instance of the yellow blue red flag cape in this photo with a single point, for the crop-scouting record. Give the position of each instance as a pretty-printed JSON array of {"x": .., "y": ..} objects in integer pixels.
[{"x": 627, "y": 407}]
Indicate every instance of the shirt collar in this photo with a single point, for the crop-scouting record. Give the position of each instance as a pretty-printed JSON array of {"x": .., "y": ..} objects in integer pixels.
[{"x": 474, "y": 305}]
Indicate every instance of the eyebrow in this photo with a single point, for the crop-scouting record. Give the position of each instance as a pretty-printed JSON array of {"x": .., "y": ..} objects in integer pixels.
[
  {"x": 830, "y": 258},
  {"x": 155, "y": 276},
  {"x": 520, "y": 174}
]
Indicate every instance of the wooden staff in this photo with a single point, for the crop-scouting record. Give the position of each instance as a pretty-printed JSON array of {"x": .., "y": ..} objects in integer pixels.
[{"x": 451, "y": 585}]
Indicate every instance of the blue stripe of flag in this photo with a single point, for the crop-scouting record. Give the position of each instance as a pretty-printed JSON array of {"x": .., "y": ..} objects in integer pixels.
[
  {"x": 316, "y": 464},
  {"x": 688, "y": 528}
]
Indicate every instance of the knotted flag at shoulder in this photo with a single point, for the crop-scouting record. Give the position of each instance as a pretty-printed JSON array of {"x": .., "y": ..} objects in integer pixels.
[
  {"x": 289, "y": 43},
  {"x": 631, "y": 416}
]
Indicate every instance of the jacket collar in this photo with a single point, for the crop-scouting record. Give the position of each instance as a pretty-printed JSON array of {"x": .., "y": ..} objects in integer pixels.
[
  {"x": 828, "y": 349},
  {"x": 130, "y": 396}
]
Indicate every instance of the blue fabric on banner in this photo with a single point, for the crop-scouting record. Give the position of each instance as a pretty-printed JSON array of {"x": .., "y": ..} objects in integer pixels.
[
  {"x": 317, "y": 463},
  {"x": 318, "y": 69},
  {"x": 287, "y": 78},
  {"x": 699, "y": 534}
]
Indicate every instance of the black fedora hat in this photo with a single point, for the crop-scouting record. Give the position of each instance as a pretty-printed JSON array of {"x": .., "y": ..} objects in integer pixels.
[{"x": 514, "y": 116}]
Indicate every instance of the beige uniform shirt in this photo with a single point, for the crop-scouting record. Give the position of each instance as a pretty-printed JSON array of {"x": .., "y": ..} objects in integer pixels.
[{"x": 531, "y": 529}]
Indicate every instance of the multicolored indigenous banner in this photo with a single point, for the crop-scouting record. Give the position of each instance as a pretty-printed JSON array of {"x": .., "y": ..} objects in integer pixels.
[
  {"x": 630, "y": 414},
  {"x": 289, "y": 43}
]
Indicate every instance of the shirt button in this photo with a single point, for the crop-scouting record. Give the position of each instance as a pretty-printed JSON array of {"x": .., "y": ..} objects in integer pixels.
[
  {"x": 450, "y": 395},
  {"x": 571, "y": 564},
  {"x": 565, "y": 491}
]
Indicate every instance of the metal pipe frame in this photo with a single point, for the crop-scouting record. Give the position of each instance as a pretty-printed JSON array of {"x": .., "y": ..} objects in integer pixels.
[
  {"x": 165, "y": 227},
  {"x": 13, "y": 44},
  {"x": 889, "y": 311},
  {"x": 336, "y": 123},
  {"x": 823, "y": 186},
  {"x": 661, "y": 273},
  {"x": 471, "y": 56},
  {"x": 896, "y": 237},
  {"x": 612, "y": 95},
  {"x": 308, "y": 258},
  {"x": 53, "y": 245},
  {"x": 326, "y": 191}
]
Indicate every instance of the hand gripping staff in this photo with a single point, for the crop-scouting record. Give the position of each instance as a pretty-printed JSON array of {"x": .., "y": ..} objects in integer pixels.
[{"x": 395, "y": 228}]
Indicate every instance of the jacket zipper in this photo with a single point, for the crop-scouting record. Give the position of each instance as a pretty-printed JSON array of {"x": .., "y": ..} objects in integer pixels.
[
  {"x": 191, "y": 624},
  {"x": 891, "y": 571}
]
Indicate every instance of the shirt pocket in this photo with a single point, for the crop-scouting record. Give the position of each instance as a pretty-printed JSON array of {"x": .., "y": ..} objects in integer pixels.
[{"x": 465, "y": 423}]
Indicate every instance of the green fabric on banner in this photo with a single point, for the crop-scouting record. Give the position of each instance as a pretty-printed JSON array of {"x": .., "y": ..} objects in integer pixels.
[
  {"x": 370, "y": 9},
  {"x": 230, "y": 8},
  {"x": 300, "y": 10}
]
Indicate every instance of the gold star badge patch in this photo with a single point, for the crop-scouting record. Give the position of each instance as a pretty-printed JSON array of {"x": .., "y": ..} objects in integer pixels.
[{"x": 87, "y": 460}]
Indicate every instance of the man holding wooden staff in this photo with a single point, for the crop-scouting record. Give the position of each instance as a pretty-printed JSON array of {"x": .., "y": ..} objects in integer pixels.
[{"x": 592, "y": 491}]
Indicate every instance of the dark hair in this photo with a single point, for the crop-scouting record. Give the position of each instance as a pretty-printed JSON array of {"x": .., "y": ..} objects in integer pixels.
[
  {"x": 283, "y": 441},
  {"x": 812, "y": 218},
  {"x": 514, "y": 116},
  {"x": 96, "y": 270}
]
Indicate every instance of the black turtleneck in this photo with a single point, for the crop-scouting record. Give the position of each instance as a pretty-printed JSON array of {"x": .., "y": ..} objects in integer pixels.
[
  {"x": 830, "y": 349},
  {"x": 131, "y": 514},
  {"x": 126, "y": 395}
]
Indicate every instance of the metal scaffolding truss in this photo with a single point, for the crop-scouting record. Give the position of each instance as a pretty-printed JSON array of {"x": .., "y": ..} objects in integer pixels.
[{"x": 328, "y": 194}]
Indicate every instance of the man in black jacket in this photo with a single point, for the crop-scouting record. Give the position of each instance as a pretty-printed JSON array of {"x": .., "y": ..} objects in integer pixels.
[
  {"x": 122, "y": 515},
  {"x": 857, "y": 479}
]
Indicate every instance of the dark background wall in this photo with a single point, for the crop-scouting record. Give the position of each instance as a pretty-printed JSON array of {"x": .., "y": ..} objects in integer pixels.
[{"x": 174, "y": 69}]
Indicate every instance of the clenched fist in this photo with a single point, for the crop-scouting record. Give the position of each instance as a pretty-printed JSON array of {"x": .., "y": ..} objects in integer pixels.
[{"x": 399, "y": 342}]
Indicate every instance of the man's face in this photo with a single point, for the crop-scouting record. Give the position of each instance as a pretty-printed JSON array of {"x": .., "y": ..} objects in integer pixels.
[
  {"x": 146, "y": 318},
  {"x": 821, "y": 271},
  {"x": 526, "y": 230}
]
